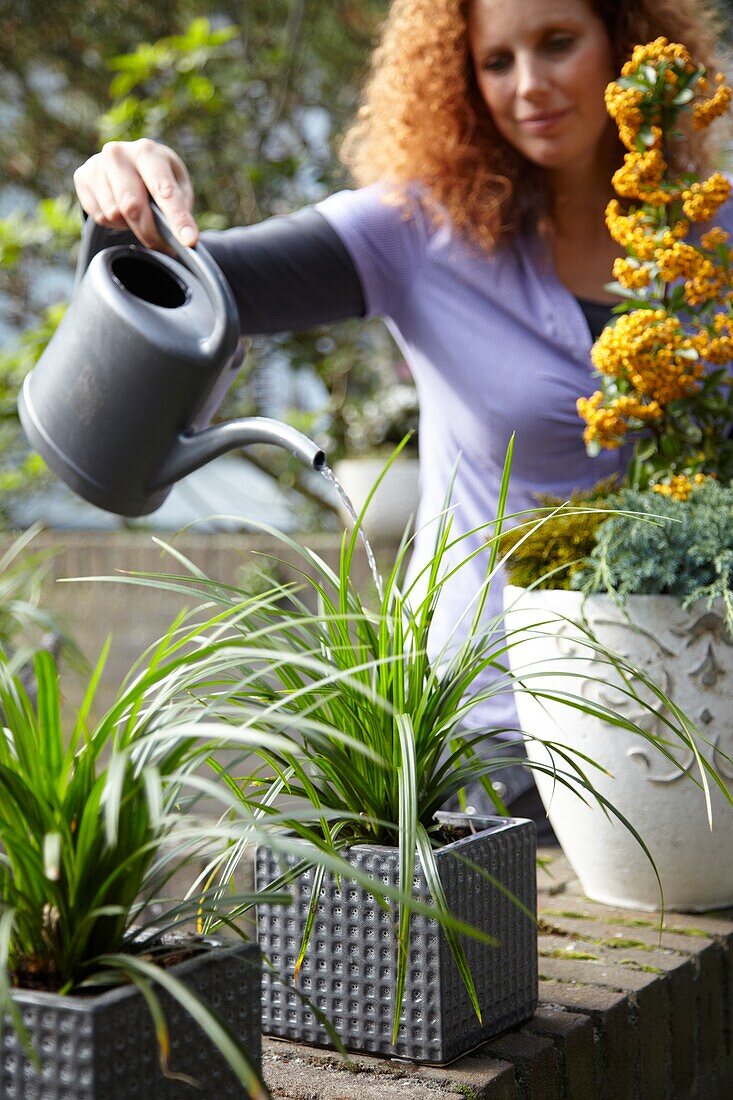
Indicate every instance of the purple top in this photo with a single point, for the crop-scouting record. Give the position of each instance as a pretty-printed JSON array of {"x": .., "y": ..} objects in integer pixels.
[{"x": 496, "y": 344}]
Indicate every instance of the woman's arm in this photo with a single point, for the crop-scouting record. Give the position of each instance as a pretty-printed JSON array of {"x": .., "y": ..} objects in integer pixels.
[{"x": 287, "y": 273}]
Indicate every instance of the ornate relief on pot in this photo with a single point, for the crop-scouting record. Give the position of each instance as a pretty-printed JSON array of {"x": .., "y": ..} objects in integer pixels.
[
  {"x": 606, "y": 683},
  {"x": 689, "y": 655},
  {"x": 712, "y": 628}
]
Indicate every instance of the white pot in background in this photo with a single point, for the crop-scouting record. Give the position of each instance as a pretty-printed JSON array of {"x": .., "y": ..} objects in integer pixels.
[
  {"x": 689, "y": 655},
  {"x": 395, "y": 500}
]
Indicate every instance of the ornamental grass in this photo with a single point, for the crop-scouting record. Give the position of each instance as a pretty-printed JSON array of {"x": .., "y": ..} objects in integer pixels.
[
  {"x": 96, "y": 817},
  {"x": 354, "y": 732}
]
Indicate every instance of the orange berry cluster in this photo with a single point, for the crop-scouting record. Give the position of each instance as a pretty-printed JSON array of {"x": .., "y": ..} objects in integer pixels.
[
  {"x": 659, "y": 50},
  {"x": 679, "y": 486},
  {"x": 637, "y": 232},
  {"x": 703, "y": 113},
  {"x": 631, "y": 274},
  {"x": 649, "y": 349},
  {"x": 714, "y": 342},
  {"x": 702, "y": 200},
  {"x": 607, "y": 424},
  {"x": 624, "y": 106},
  {"x": 641, "y": 176},
  {"x": 646, "y": 358}
]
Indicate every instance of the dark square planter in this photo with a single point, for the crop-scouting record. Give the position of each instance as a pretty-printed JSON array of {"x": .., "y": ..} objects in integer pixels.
[
  {"x": 103, "y": 1047},
  {"x": 349, "y": 968}
]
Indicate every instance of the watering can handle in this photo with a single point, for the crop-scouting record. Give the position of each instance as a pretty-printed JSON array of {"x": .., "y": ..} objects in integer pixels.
[{"x": 197, "y": 260}]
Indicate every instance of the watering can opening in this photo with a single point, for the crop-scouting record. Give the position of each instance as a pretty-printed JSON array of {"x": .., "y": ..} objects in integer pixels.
[{"x": 147, "y": 278}]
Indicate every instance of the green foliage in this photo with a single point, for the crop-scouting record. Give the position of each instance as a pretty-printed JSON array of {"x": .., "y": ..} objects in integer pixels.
[
  {"x": 93, "y": 826},
  {"x": 229, "y": 87},
  {"x": 53, "y": 229},
  {"x": 351, "y": 718},
  {"x": 23, "y": 620},
  {"x": 686, "y": 550},
  {"x": 382, "y": 418},
  {"x": 371, "y": 406},
  {"x": 21, "y": 470},
  {"x": 548, "y": 556},
  {"x": 164, "y": 85},
  {"x": 630, "y": 542},
  {"x": 693, "y": 437},
  {"x": 549, "y": 548},
  {"x": 288, "y": 54},
  {"x": 69, "y": 886}
]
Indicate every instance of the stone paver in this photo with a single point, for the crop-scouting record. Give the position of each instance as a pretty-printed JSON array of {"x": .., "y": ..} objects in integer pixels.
[{"x": 295, "y": 1072}]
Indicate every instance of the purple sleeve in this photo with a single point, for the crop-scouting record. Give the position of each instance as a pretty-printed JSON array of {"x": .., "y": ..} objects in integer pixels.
[{"x": 385, "y": 243}]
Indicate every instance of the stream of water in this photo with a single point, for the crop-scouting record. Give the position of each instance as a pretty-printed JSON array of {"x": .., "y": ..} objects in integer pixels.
[{"x": 346, "y": 501}]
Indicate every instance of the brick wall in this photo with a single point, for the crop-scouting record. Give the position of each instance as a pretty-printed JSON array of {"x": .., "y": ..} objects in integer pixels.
[
  {"x": 624, "y": 1014},
  {"x": 136, "y": 616}
]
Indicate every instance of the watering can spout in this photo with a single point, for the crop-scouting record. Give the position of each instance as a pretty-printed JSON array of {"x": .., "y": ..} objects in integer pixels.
[{"x": 195, "y": 449}]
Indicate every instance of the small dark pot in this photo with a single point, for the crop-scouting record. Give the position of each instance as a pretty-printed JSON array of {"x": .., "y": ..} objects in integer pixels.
[
  {"x": 350, "y": 966},
  {"x": 103, "y": 1047}
]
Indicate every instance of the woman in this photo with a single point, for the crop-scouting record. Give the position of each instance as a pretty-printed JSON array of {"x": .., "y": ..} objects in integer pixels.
[{"x": 484, "y": 155}]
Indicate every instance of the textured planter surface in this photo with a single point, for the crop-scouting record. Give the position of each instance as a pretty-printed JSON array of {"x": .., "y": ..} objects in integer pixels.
[
  {"x": 689, "y": 655},
  {"x": 394, "y": 501},
  {"x": 104, "y": 1048},
  {"x": 349, "y": 969}
]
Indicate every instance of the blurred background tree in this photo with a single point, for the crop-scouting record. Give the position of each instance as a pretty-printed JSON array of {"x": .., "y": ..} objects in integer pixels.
[{"x": 254, "y": 97}]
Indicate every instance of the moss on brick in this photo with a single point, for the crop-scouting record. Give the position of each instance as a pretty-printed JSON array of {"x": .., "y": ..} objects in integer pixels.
[
  {"x": 627, "y": 943},
  {"x": 645, "y": 969},
  {"x": 570, "y": 914},
  {"x": 559, "y": 953}
]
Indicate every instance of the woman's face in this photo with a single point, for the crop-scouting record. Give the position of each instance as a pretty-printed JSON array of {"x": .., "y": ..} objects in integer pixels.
[{"x": 542, "y": 67}]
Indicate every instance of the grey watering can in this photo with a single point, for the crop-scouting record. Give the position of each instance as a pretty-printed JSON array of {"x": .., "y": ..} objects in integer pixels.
[{"x": 119, "y": 402}]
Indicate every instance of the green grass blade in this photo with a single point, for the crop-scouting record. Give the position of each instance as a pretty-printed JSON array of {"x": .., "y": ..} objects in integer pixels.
[
  {"x": 435, "y": 886},
  {"x": 317, "y": 884},
  {"x": 408, "y": 825}
]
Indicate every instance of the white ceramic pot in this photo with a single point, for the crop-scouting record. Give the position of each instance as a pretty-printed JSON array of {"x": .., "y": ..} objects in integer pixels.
[
  {"x": 394, "y": 501},
  {"x": 689, "y": 655}
]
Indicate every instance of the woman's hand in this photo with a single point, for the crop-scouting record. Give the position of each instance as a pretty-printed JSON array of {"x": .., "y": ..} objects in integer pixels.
[{"x": 116, "y": 185}]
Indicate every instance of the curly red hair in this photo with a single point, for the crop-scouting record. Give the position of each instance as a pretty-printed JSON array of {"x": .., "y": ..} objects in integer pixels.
[{"x": 424, "y": 121}]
